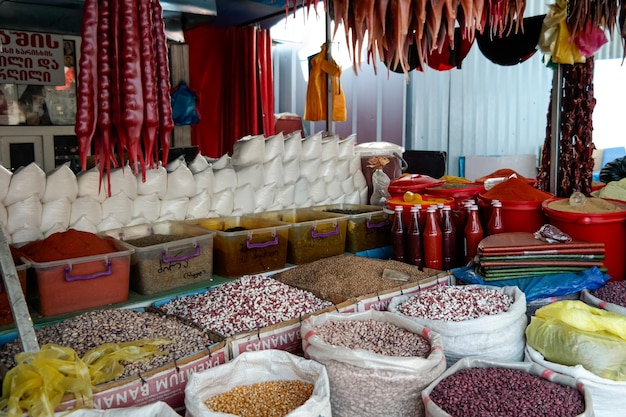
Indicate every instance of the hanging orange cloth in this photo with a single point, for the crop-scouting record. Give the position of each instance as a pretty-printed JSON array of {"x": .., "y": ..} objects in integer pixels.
[{"x": 316, "y": 94}]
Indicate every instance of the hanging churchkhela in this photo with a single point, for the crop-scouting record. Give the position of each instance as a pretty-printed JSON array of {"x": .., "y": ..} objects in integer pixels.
[{"x": 123, "y": 84}]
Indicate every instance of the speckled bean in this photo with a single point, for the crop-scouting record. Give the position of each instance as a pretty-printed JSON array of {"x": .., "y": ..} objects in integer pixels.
[{"x": 612, "y": 292}]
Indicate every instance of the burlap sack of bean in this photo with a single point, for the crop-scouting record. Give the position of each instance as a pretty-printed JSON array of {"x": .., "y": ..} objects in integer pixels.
[
  {"x": 258, "y": 367},
  {"x": 483, "y": 321},
  {"x": 383, "y": 376},
  {"x": 477, "y": 387}
]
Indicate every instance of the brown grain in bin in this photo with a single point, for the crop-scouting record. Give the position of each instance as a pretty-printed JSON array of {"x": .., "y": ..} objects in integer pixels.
[
  {"x": 313, "y": 234},
  {"x": 167, "y": 255},
  {"x": 247, "y": 245}
]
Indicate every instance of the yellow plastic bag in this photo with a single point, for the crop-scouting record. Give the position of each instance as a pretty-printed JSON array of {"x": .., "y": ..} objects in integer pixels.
[
  {"x": 574, "y": 333},
  {"x": 554, "y": 38},
  {"x": 39, "y": 381}
]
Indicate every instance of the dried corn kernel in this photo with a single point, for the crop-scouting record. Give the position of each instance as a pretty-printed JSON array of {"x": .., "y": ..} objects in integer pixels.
[{"x": 264, "y": 399}]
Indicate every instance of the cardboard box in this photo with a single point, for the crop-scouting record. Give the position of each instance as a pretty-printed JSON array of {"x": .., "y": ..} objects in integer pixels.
[
  {"x": 85, "y": 282},
  {"x": 247, "y": 245},
  {"x": 166, "y": 255}
]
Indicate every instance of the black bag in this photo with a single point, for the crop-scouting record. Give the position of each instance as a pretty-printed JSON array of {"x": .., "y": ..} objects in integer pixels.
[{"x": 614, "y": 170}]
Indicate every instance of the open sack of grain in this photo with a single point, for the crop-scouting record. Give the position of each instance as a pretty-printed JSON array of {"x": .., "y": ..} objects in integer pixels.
[
  {"x": 377, "y": 362},
  {"x": 267, "y": 382}
]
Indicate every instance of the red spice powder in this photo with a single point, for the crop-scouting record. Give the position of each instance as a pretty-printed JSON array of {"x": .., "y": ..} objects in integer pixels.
[
  {"x": 66, "y": 245},
  {"x": 501, "y": 173},
  {"x": 515, "y": 189}
]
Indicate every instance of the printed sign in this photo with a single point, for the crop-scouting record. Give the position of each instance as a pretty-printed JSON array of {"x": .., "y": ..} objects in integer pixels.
[{"x": 31, "y": 58}]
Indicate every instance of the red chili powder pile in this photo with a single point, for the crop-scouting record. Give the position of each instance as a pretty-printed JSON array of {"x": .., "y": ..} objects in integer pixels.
[
  {"x": 66, "y": 245},
  {"x": 515, "y": 189},
  {"x": 501, "y": 173}
]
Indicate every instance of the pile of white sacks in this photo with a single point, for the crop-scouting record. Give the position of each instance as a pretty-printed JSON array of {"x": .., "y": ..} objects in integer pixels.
[{"x": 263, "y": 174}]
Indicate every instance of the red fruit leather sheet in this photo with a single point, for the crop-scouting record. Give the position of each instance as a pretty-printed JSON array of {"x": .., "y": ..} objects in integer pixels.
[
  {"x": 517, "y": 264},
  {"x": 524, "y": 243}
]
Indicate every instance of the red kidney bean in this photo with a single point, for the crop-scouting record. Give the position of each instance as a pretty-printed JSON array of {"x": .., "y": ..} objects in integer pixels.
[{"x": 612, "y": 292}]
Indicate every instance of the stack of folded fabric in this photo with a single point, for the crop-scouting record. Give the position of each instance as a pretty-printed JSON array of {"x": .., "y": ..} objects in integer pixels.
[{"x": 521, "y": 254}]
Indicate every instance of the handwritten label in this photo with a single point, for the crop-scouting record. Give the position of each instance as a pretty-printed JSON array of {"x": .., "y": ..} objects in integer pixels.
[{"x": 31, "y": 58}]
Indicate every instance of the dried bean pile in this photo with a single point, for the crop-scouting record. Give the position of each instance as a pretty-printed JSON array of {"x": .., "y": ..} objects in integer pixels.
[
  {"x": 264, "y": 399},
  {"x": 503, "y": 392},
  {"x": 612, "y": 292},
  {"x": 456, "y": 303},
  {"x": 92, "y": 329},
  {"x": 246, "y": 304},
  {"x": 375, "y": 336},
  {"x": 155, "y": 239},
  {"x": 349, "y": 276}
]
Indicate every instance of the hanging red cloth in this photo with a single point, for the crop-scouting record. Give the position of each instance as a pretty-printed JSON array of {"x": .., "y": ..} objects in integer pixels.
[{"x": 231, "y": 72}]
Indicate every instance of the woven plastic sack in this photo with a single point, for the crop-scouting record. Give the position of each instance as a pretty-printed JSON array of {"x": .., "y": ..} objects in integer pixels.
[
  {"x": 587, "y": 297},
  {"x": 364, "y": 383},
  {"x": 205, "y": 181},
  {"x": 90, "y": 185},
  {"x": 251, "y": 174},
  {"x": 199, "y": 164},
  {"x": 293, "y": 146},
  {"x": 244, "y": 199},
  {"x": 223, "y": 202},
  {"x": 346, "y": 147},
  {"x": 83, "y": 224},
  {"x": 55, "y": 213},
  {"x": 318, "y": 191},
  {"x": 22, "y": 213},
  {"x": 302, "y": 190},
  {"x": 180, "y": 183},
  {"x": 249, "y": 150},
  {"x": 119, "y": 206},
  {"x": 330, "y": 148},
  {"x": 174, "y": 209},
  {"x": 274, "y": 172},
  {"x": 291, "y": 170},
  {"x": 199, "y": 206},
  {"x": 155, "y": 182},
  {"x": 147, "y": 207},
  {"x": 491, "y": 337},
  {"x": 225, "y": 179},
  {"x": 257, "y": 367},
  {"x": 109, "y": 223},
  {"x": 274, "y": 147},
  {"x": 285, "y": 196},
  {"x": 25, "y": 182},
  {"x": 310, "y": 169},
  {"x": 264, "y": 198},
  {"x": 60, "y": 182}
]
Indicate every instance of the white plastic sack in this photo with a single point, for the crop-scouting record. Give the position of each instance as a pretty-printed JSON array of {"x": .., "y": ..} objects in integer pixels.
[
  {"x": 607, "y": 396},
  {"x": 318, "y": 191},
  {"x": 57, "y": 228},
  {"x": 60, "y": 183},
  {"x": 285, "y": 196},
  {"x": 147, "y": 207},
  {"x": 180, "y": 183},
  {"x": 119, "y": 206},
  {"x": 26, "y": 234},
  {"x": 223, "y": 202},
  {"x": 257, "y": 367},
  {"x": 359, "y": 180},
  {"x": 205, "y": 181},
  {"x": 364, "y": 383},
  {"x": 26, "y": 212},
  {"x": 301, "y": 193},
  {"x": 175, "y": 209},
  {"x": 264, "y": 198},
  {"x": 493, "y": 337},
  {"x": 310, "y": 169},
  {"x": 312, "y": 147},
  {"x": 433, "y": 410},
  {"x": 87, "y": 207},
  {"x": 274, "y": 171},
  {"x": 90, "y": 185},
  {"x": 330, "y": 148},
  {"x": 83, "y": 224},
  {"x": 225, "y": 179},
  {"x": 587, "y": 297},
  {"x": 199, "y": 164},
  {"x": 156, "y": 409},
  {"x": 109, "y": 223},
  {"x": 199, "y": 206},
  {"x": 346, "y": 147},
  {"x": 5, "y": 180},
  {"x": 355, "y": 165},
  {"x": 342, "y": 169},
  {"x": 251, "y": 174},
  {"x": 55, "y": 213},
  {"x": 174, "y": 164},
  {"x": 363, "y": 196},
  {"x": 4, "y": 216},
  {"x": 221, "y": 162},
  {"x": 334, "y": 190},
  {"x": 122, "y": 180},
  {"x": 249, "y": 150},
  {"x": 293, "y": 146},
  {"x": 347, "y": 186},
  {"x": 25, "y": 182},
  {"x": 329, "y": 170},
  {"x": 274, "y": 147},
  {"x": 244, "y": 199},
  {"x": 155, "y": 183},
  {"x": 291, "y": 171},
  {"x": 339, "y": 200},
  {"x": 139, "y": 220}
]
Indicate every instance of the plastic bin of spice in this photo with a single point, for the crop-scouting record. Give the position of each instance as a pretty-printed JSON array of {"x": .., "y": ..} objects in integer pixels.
[
  {"x": 6, "y": 315},
  {"x": 313, "y": 234},
  {"x": 83, "y": 282},
  {"x": 246, "y": 245},
  {"x": 368, "y": 227},
  {"x": 166, "y": 254}
]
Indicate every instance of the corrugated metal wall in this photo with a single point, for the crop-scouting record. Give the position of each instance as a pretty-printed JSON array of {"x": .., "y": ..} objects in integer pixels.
[{"x": 481, "y": 109}]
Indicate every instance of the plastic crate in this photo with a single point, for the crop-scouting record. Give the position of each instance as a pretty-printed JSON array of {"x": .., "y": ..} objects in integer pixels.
[
  {"x": 247, "y": 245},
  {"x": 79, "y": 283},
  {"x": 369, "y": 227},
  {"x": 167, "y": 255},
  {"x": 313, "y": 234}
]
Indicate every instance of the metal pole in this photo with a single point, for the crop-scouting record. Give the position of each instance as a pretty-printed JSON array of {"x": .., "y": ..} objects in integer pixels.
[
  {"x": 329, "y": 81},
  {"x": 21, "y": 316},
  {"x": 557, "y": 93}
]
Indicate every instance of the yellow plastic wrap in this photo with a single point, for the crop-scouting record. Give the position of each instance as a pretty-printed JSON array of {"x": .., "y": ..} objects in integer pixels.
[
  {"x": 39, "y": 381},
  {"x": 574, "y": 333},
  {"x": 555, "y": 40}
]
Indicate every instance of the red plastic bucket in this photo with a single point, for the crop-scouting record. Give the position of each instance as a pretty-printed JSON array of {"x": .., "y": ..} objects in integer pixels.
[
  {"x": 517, "y": 216},
  {"x": 460, "y": 192},
  {"x": 608, "y": 228}
]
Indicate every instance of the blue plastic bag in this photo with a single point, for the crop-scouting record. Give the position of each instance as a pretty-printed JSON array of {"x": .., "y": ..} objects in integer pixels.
[
  {"x": 541, "y": 287},
  {"x": 184, "y": 110}
]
